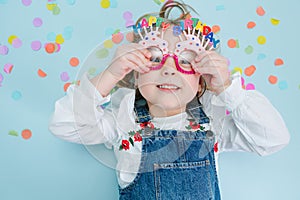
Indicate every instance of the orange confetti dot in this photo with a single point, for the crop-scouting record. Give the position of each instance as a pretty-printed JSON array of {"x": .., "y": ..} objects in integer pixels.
[
  {"x": 273, "y": 79},
  {"x": 231, "y": 43},
  {"x": 26, "y": 134},
  {"x": 278, "y": 62},
  {"x": 216, "y": 29},
  {"x": 50, "y": 47},
  {"x": 130, "y": 37},
  {"x": 249, "y": 71},
  {"x": 66, "y": 86},
  {"x": 251, "y": 25},
  {"x": 41, "y": 73},
  {"x": 74, "y": 62},
  {"x": 260, "y": 11}
]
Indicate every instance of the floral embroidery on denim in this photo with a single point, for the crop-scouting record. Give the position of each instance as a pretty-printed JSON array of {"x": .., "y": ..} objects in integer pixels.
[{"x": 193, "y": 125}]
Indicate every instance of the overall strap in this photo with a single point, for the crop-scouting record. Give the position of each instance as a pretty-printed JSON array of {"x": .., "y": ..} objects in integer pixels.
[
  {"x": 141, "y": 108},
  {"x": 195, "y": 110}
]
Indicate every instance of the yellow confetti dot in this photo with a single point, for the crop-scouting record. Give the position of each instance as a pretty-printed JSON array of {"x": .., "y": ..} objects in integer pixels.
[
  {"x": 11, "y": 38},
  {"x": 105, "y": 3},
  {"x": 237, "y": 69},
  {"x": 59, "y": 39},
  {"x": 261, "y": 39},
  {"x": 275, "y": 22},
  {"x": 108, "y": 44},
  {"x": 51, "y": 6}
]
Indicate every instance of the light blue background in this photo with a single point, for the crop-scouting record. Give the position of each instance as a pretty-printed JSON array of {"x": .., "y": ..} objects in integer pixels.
[{"x": 47, "y": 168}]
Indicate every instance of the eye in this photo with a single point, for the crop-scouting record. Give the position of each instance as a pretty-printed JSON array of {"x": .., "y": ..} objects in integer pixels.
[
  {"x": 184, "y": 62},
  {"x": 156, "y": 54},
  {"x": 155, "y": 59}
]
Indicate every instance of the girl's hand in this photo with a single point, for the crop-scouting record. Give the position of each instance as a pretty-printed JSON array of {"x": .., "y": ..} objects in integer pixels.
[
  {"x": 129, "y": 57},
  {"x": 214, "y": 69}
]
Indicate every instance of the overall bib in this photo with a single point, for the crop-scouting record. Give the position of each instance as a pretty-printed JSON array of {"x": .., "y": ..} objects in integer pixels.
[{"x": 175, "y": 165}]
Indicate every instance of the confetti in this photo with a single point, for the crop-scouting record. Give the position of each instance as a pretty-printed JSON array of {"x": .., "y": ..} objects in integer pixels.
[
  {"x": 215, "y": 28},
  {"x": 67, "y": 34},
  {"x": 13, "y": 133},
  {"x": 158, "y": 2},
  {"x": 220, "y": 7},
  {"x": 250, "y": 86},
  {"x": 249, "y": 49},
  {"x": 102, "y": 53},
  {"x": 56, "y": 10},
  {"x": 1, "y": 78},
  {"x": 36, "y": 45},
  {"x": 261, "y": 56},
  {"x": 237, "y": 69},
  {"x": 3, "y": 1},
  {"x": 232, "y": 43},
  {"x": 261, "y": 40},
  {"x": 41, "y": 73},
  {"x": 17, "y": 43},
  {"x": 113, "y": 3},
  {"x": 16, "y": 95},
  {"x": 11, "y": 38},
  {"x": 278, "y": 62},
  {"x": 283, "y": 85},
  {"x": 26, "y": 134},
  {"x": 71, "y": 2},
  {"x": 273, "y": 79},
  {"x": 92, "y": 71},
  {"x": 59, "y": 39},
  {"x": 117, "y": 37},
  {"x": 66, "y": 86},
  {"x": 3, "y": 50},
  {"x": 251, "y": 25},
  {"x": 249, "y": 71},
  {"x": 26, "y": 2},
  {"x": 8, "y": 67},
  {"x": 275, "y": 22},
  {"x": 64, "y": 76},
  {"x": 105, "y": 3},
  {"x": 37, "y": 22},
  {"x": 108, "y": 44},
  {"x": 74, "y": 62},
  {"x": 50, "y": 48},
  {"x": 260, "y": 11},
  {"x": 130, "y": 37}
]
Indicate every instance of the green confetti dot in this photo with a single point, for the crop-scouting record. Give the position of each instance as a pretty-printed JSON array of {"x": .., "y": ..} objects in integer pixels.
[
  {"x": 92, "y": 71},
  {"x": 249, "y": 49},
  {"x": 56, "y": 10},
  {"x": 102, "y": 53},
  {"x": 13, "y": 133}
]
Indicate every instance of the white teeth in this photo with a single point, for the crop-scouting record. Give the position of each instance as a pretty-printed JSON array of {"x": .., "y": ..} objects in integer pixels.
[{"x": 168, "y": 87}]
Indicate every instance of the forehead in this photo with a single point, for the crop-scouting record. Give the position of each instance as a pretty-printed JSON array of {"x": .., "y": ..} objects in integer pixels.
[{"x": 171, "y": 38}]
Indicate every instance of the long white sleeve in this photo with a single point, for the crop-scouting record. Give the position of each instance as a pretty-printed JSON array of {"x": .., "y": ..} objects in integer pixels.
[
  {"x": 79, "y": 117},
  {"x": 253, "y": 124}
]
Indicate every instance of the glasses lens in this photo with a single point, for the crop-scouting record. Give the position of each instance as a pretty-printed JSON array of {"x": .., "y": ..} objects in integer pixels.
[
  {"x": 156, "y": 55},
  {"x": 185, "y": 59}
]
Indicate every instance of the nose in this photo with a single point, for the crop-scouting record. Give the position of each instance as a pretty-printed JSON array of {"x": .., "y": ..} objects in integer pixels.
[{"x": 169, "y": 67}]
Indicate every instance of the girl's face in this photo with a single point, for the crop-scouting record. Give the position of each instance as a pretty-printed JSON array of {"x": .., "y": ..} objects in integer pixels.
[{"x": 166, "y": 90}]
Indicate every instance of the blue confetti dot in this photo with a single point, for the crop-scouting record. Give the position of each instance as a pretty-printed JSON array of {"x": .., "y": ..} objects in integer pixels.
[
  {"x": 71, "y": 2},
  {"x": 109, "y": 31},
  {"x": 51, "y": 36},
  {"x": 3, "y": 1},
  {"x": 113, "y": 3},
  {"x": 16, "y": 95},
  {"x": 261, "y": 56},
  {"x": 283, "y": 85}
]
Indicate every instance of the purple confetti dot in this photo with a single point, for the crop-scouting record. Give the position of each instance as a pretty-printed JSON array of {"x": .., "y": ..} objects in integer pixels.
[
  {"x": 64, "y": 76},
  {"x": 3, "y": 50},
  {"x": 17, "y": 43},
  {"x": 36, "y": 45},
  {"x": 26, "y": 2},
  {"x": 37, "y": 22},
  {"x": 8, "y": 67},
  {"x": 1, "y": 77},
  {"x": 127, "y": 15}
]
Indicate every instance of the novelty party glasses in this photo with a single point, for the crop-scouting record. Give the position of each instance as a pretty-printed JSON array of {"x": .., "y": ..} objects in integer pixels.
[{"x": 182, "y": 61}]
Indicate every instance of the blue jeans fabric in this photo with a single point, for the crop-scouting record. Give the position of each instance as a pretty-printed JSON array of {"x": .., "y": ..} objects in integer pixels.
[{"x": 175, "y": 164}]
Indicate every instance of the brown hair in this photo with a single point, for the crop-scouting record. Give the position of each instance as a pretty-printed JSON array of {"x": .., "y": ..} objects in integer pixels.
[{"x": 129, "y": 80}]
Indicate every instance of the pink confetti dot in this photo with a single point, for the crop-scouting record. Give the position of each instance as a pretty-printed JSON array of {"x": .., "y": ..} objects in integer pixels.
[
  {"x": 127, "y": 15},
  {"x": 250, "y": 86},
  {"x": 17, "y": 43},
  {"x": 242, "y": 80},
  {"x": 1, "y": 77},
  {"x": 3, "y": 50},
  {"x": 36, "y": 45},
  {"x": 64, "y": 76},
  {"x": 37, "y": 22},
  {"x": 26, "y": 2},
  {"x": 8, "y": 67}
]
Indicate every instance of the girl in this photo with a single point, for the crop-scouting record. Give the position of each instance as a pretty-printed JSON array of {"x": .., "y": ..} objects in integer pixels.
[{"x": 167, "y": 121}]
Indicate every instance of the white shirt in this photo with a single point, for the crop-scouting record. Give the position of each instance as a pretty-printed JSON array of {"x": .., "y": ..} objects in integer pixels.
[{"x": 253, "y": 124}]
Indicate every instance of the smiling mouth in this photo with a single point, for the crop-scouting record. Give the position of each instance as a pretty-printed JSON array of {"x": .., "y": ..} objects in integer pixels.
[{"x": 168, "y": 87}]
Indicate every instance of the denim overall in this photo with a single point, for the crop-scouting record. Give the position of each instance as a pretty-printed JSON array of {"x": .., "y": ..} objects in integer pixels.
[{"x": 175, "y": 165}]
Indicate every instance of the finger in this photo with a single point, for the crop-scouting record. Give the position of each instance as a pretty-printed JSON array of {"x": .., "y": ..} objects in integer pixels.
[{"x": 138, "y": 63}]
